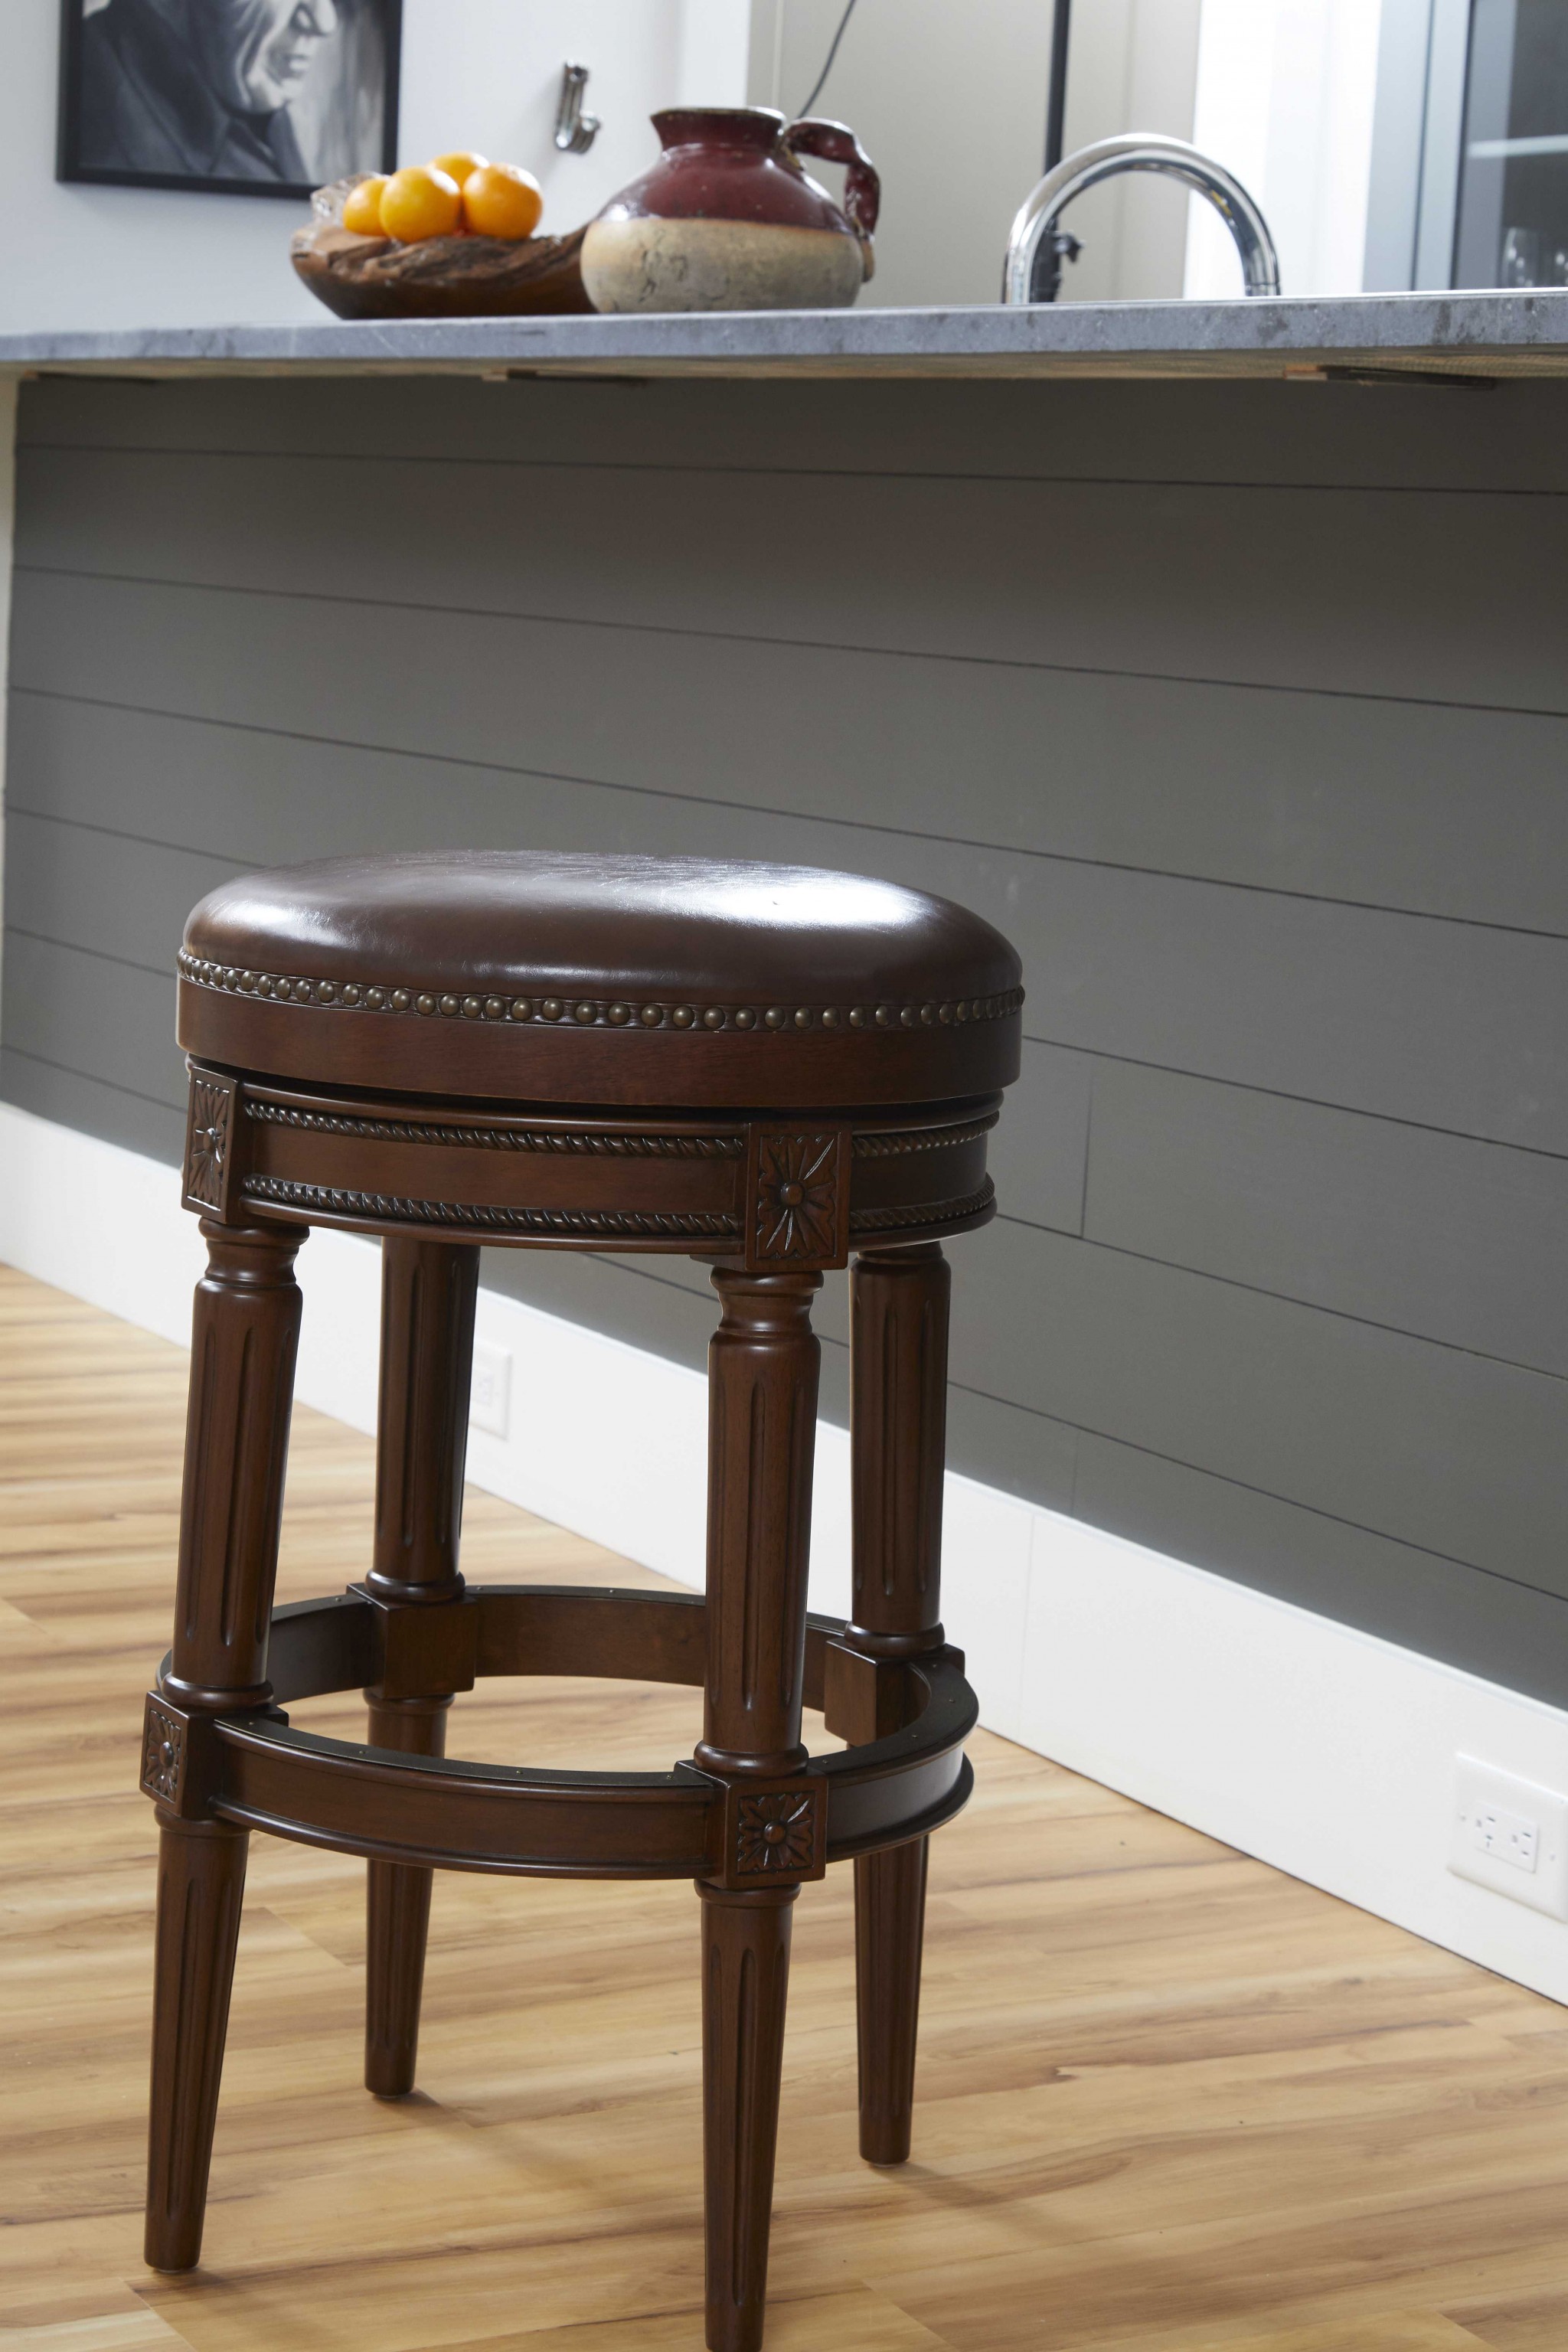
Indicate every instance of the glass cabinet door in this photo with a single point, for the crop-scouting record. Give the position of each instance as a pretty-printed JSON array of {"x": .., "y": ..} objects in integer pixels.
[{"x": 1512, "y": 227}]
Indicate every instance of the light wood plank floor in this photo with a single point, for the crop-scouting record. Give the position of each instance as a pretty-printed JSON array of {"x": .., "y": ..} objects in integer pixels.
[{"x": 1169, "y": 2098}]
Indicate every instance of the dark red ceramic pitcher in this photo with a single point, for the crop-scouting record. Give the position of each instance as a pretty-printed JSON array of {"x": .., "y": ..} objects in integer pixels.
[{"x": 728, "y": 219}]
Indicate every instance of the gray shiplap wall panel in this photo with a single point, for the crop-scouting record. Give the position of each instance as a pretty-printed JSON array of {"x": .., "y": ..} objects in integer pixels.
[
  {"x": 1369, "y": 801},
  {"x": 1339, "y": 435},
  {"x": 1452, "y": 1025},
  {"x": 1461, "y": 1242},
  {"x": 93, "y": 1016},
  {"x": 1510, "y": 1633},
  {"x": 1451, "y": 1452},
  {"x": 103, "y": 891},
  {"x": 1443, "y": 597},
  {"x": 1297, "y": 948},
  {"x": 94, "y": 1107}
]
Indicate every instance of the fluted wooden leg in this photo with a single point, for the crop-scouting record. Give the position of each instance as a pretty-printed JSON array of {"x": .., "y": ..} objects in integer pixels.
[
  {"x": 242, "y": 1368},
  {"x": 201, "y": 1883},
  {"x": 898, "y": 1431},
  {"x": 429, "y": 1290},
  {"x": 762, "y": 1375}
]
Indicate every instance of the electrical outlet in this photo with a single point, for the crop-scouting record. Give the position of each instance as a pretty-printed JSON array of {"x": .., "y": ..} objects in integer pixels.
[
  {"x": 489, "y": 1400},
  {"x": 1509, "y": 1835}
]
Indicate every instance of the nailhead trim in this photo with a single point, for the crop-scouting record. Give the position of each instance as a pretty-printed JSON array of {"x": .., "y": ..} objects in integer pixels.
[{"x": 591, "y": 1012}]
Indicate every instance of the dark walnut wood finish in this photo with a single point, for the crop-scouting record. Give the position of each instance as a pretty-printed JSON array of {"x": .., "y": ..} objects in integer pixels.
[
  {"x": 772, "y": 1069},
  {"x": 245, "y": 1330},
  {"x": 427, "y": 1295}
]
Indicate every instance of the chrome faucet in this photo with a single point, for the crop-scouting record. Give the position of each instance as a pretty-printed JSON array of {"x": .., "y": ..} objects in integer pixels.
[{"x": 1035, "y": 249}]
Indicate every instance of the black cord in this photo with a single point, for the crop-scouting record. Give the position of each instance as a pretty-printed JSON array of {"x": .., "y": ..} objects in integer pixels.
[
  {"x": 827, "y": 62},
  {"x": 1056, "y": 92}
]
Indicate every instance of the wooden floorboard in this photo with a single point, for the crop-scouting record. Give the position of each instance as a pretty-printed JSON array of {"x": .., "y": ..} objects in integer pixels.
[{"x": 1171, "y": 2101}]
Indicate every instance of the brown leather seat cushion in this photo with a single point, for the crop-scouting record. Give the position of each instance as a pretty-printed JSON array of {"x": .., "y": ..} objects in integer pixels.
[{"x": 537, "y": 977}]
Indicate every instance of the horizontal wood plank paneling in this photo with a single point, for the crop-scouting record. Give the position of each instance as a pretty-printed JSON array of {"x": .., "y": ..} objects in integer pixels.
[
  {"x": 93, "y": 1016},
  {"x": 1239, "y": 707},
  {"x": 1441, "y": 597},
  {"x": 94, "y": 1107},
  {"x": 1507, "y": 1632},
  {"x": 1372, "y": 803},
  {"x": 1451, "y": 1452},
  {"x": 1456, "y": 1241},
  {"x": 114, "y": 893},
  {"x": 1337, "y": 434},
  {"x": 1459, "y": 1026}
]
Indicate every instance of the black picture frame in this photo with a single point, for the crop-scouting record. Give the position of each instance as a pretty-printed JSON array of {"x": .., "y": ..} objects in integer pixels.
[{"x": 72, "y": 166}]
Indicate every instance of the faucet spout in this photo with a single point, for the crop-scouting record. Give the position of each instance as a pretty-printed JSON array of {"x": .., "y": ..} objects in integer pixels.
[{"x": 1033, "y": 269}]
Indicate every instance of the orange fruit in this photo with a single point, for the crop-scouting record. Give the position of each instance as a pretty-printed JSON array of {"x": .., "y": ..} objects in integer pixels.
[
  {"x": 499, "y": 200},
  {"x": 458, "y": 163},
  {"x": 362, "y": 207},
  {"x": 418, "y": 202}
]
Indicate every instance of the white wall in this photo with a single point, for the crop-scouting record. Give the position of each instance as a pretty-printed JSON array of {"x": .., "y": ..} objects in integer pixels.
[
  {"x": 1286, "y": 93},
  {"x": 7, "y": 518},
  {"x": 948, "y": 99},
  {"x": 1131, "y": 66},
  {"x": 482, "y": 73}
]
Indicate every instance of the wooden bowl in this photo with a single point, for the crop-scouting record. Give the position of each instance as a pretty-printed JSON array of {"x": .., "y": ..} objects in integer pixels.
[{"x": 442, "y": 277}]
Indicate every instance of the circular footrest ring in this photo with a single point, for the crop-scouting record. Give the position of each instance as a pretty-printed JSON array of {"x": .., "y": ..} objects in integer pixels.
[{"x": 256, "y": 1768}]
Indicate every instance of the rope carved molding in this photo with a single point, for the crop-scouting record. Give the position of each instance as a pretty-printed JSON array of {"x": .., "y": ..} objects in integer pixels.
[
  {"x": 579, "y": 1143},
  {"x": 570, "y": 1144},
  {"x": 607, "y": 1224}
]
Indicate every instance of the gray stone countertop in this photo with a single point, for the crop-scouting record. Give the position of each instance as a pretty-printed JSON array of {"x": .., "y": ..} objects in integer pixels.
[{"x": 1478, "y": 334}]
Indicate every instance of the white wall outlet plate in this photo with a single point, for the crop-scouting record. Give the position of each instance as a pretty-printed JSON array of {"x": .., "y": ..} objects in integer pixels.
[
  {"x": 1510, "y": 1835},
  {"x": 489, "y": 1401}
]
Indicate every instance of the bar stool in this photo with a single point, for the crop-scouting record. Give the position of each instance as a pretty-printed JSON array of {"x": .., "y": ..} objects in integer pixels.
[{"x": 767, "y": 1067}]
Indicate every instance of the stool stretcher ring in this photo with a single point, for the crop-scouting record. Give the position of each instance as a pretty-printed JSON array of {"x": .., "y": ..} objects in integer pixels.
[{"x": 254, "y": 1768}]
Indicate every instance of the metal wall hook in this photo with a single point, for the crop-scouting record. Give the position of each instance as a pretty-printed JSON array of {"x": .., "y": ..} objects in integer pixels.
[{"x": 574, "y": 130}]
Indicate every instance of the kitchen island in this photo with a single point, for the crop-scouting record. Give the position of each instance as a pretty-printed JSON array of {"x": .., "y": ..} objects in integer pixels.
[{"x": 1213, "y": 651}]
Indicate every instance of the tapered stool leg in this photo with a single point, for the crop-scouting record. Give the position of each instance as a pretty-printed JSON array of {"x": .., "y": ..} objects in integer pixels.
[
  {"x": 763, "y": 1377},
  {"x": 428, "y": 1296},
  {"x": 243, "y": 1340},
  {"x": 745, "y": 1979},
  {"x": 898, "y": 1436}
]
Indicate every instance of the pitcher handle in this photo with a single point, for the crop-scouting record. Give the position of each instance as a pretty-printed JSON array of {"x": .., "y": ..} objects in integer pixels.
[{"x": 835, "y": 143}]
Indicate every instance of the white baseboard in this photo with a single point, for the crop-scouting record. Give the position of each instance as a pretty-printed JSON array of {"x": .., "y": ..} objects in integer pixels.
[{"x": 1322, "y": 1750}]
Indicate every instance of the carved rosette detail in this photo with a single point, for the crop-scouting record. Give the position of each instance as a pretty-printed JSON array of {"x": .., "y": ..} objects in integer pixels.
[
  {"x": 797, "y": 1205},
  {"x": 207, "y": 1141},
  {"x": 162, "y": 1754},
  {"x": 776, "y": 1834}
]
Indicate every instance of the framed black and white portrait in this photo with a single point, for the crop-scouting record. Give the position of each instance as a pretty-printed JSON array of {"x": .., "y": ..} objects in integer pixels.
[{"x": 256, "y": 97}]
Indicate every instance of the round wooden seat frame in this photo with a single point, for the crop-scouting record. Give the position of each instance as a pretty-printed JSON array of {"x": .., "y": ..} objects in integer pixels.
[{"x": 774, "y": 1140}]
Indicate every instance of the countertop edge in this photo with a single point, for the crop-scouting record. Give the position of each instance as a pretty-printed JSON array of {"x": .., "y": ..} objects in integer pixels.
[{"x": 1483, "y": 333}]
